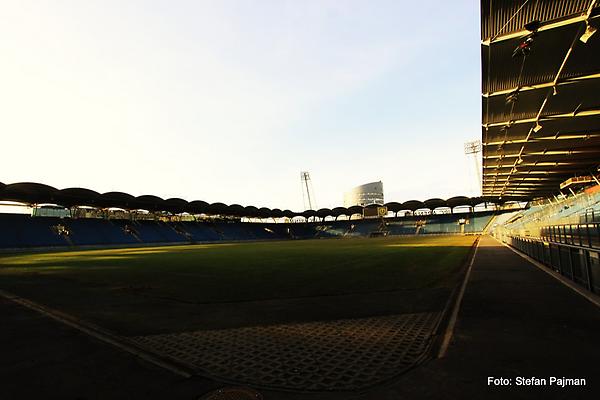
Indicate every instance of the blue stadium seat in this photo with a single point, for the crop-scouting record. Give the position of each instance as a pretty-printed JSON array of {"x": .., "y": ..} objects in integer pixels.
[
  {"x": 97, "y": 231},
  {"x": 24, "y": 231},
  {"x": 20, "y": 230}
]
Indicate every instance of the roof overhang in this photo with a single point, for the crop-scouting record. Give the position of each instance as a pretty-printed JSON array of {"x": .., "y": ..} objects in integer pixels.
[{"x": 540, "y": 102}]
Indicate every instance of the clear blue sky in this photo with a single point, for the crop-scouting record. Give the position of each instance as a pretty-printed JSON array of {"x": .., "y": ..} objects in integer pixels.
[{"x": 229, "y": 100}]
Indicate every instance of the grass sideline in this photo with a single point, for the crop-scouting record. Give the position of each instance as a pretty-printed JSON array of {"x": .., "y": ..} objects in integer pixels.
[{"x": 178, "y": 288}]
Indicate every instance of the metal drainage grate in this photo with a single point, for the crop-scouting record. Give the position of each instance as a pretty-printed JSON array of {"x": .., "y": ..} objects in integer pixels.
[
  {"x": 233, "y": 394},
  {"x": 347, "y": 354}
]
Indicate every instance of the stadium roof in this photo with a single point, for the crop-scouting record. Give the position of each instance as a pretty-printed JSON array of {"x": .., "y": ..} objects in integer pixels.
[
  {"x": 540, "y": 102},
  {"x": 36, "y": 193}
]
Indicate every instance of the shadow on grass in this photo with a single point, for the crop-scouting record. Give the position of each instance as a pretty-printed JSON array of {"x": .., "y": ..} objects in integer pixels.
[{"x": 153, "y": 290}]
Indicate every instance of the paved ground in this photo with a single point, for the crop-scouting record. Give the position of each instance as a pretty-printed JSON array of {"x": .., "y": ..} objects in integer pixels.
[
  {"x": 336, "y": 355},
  {"x": 42, "y": 358},
  {"x": 515, "y": 321}
]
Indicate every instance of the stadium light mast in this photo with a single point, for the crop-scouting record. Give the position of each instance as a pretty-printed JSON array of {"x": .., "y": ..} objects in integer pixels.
[
  {"x": 474, "y": 147},
  {"x": 307, "y": 190}
]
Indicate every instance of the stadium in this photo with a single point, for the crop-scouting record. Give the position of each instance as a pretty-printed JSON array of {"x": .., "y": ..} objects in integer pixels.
[{"x": 112, "y": 295}]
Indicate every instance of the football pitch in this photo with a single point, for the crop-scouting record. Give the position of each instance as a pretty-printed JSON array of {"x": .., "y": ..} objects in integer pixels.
[{"x": 153, "y": 290}]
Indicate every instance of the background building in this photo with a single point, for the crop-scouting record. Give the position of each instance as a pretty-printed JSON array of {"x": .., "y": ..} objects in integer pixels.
[{"x": 363, "y": 195}]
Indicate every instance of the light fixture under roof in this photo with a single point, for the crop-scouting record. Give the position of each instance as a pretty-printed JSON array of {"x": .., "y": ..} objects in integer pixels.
[
  {"x": 512, "y": 97},
  {"x": 589, "y": 31},
  {"x": 524, "y": 48},
  {"x": 537, "y": 127},
  {"x": 533, "y": 26}
]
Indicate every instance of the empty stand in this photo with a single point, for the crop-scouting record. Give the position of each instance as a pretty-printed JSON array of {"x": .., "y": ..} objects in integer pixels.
[{"x": 24, "y": 231}]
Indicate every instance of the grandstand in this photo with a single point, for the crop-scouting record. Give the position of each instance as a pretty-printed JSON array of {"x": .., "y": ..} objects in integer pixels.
[
  {"x": 171, "y": 298},
  {"x": 137, "y": 221}
]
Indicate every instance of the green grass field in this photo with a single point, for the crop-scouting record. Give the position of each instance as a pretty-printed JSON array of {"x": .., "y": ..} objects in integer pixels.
[{"x": 178, "y": 288}]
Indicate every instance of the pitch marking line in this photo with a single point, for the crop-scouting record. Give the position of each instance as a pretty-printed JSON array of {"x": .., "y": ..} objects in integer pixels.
[
  {"x": 96, "y": 332},
  {"x": 454, "y": 316}
]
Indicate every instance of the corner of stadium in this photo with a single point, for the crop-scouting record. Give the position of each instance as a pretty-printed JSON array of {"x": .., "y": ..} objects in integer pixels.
[{"x": 115, "y": 296}]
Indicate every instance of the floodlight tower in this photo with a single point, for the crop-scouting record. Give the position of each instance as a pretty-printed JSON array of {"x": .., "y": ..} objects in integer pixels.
[
  {"x": 474, "y": 147},
  {"x": 308, "y": 193}
]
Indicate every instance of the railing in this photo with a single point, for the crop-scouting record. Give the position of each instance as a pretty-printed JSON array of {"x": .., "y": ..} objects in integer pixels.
[
  {"x": 577, "y": 258},
  {"x": 590, "y": 215},
  {"x": 584, "y": 235}
]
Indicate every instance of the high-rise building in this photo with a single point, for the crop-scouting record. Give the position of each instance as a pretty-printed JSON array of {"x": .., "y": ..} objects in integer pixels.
[{"x": 363, "y": 195}]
